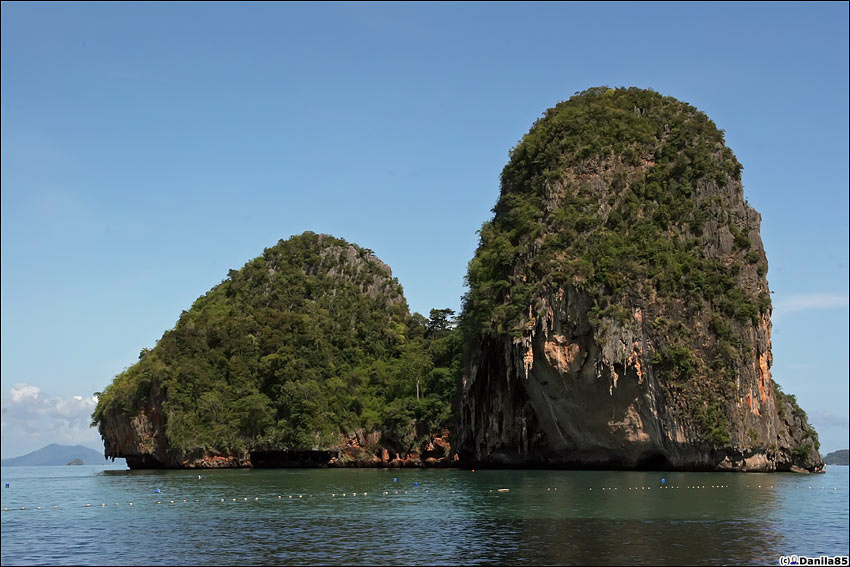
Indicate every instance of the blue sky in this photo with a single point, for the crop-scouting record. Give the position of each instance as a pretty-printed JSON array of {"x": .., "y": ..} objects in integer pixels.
[{"x": 149, "y": 148}]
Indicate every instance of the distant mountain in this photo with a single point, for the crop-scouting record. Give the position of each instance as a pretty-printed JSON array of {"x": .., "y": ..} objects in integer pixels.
[
  {"x": 55, "y": 454},
  {"x": 841, "y": 457}
]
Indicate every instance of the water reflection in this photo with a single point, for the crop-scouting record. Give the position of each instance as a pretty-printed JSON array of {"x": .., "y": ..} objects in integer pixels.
[{"x": 365, "y": 517}]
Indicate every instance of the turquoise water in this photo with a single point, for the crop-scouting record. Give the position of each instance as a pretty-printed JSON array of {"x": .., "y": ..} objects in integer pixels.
[{"x": 311, "y": 516}]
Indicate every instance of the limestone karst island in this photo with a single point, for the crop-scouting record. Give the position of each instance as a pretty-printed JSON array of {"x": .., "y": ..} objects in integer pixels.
[{"x": 617, "y": 316}]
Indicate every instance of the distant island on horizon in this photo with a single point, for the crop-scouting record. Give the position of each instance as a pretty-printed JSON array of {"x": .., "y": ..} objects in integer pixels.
[
  {"x": 58, "y": 455},
  {"x": 841, "y": 457}
]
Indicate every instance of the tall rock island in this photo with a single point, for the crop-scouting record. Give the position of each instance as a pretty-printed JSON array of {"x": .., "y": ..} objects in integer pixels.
[
  {"x": 307, "y": 356},
  {"x": 618, "y": 314}
]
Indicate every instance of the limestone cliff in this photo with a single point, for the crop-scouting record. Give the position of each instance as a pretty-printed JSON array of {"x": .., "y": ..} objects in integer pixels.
[{"x": 618, "y": 313}]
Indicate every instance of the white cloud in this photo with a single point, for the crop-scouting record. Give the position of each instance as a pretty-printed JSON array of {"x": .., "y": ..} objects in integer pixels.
[
  {"x": 808, "y": 301},
  {"x": 33, "y": 419},
  {"x": 20, "y": 391}
]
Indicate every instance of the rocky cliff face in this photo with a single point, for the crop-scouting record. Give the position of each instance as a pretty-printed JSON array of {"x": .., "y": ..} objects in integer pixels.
[{"x": 618, "y": 313}]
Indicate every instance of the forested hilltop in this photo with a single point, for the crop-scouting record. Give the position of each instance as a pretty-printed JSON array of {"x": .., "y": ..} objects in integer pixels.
[{"x": 307, "y": 355}]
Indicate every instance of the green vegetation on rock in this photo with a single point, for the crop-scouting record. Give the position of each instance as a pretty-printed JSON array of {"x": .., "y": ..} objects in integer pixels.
[
  {"x": 604, "y": 193},
  {"x": 301, "y": 348}
]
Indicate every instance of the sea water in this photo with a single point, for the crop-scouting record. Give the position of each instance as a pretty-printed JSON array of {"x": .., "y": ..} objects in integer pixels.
[{"x": 106, "y": 515}]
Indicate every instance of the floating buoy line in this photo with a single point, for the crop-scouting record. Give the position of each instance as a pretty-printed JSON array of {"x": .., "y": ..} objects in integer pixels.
[{"x": 301, "y": 497}]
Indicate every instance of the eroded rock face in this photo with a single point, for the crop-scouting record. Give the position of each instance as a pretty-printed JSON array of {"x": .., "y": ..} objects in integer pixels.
[
  {"x": 641, "y": 336},
  {"x": 558, "y": 397}
]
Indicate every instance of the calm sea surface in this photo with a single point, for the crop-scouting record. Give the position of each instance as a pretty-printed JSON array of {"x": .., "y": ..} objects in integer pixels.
[{"x": 238, "y": 517}]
